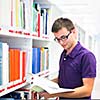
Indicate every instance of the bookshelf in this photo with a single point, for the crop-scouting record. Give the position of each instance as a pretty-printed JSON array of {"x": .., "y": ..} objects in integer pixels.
[
  {"x": 22, "y": 27},
  {"x": 16, "y": 29},
  {"x": 21, "y": 42}
]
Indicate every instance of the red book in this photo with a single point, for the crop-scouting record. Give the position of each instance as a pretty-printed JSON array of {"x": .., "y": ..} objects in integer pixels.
[
  {"x": 38, "y": 24},
  {"x": 23, "y": 65}
]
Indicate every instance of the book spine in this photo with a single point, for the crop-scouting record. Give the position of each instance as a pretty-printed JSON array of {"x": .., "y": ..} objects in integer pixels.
[
  {"x": 4, "y": 70},
  {"x": 17, "y": 65},
  {"x": 23, "y": 65},
  {"x": 5, "y": 63},
  {"x": 35, "y": 60}
]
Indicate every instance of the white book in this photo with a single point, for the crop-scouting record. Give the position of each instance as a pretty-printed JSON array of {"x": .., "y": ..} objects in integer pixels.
[
  {"x": 22, "y": 65},
  {"x": 40, "y": 84},
  {"x": 5, "y": 64},
  {"x": 13, "y": 12},
  {"x": 41, "y": 26},
  {"x": 46, "y": 50},
  {"x": 29, "y": 14},
  {"x": 5, "y": 12}
]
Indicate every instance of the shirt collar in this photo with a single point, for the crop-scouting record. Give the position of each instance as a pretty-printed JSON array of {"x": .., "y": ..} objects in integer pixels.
[{"x": 75, "y": 50}]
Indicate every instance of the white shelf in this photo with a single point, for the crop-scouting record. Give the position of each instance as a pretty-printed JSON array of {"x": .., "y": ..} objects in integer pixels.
[
  {"x": 26, "y": 42},
  {"x": 6, "y": 91},
  {"x": 20, "y": 41},
  {"x": 8, "y": 34},
  {"x": 15, "y": 35},
  {"x": 41, "y": 39},
  {"x": 43, "y": 73}
]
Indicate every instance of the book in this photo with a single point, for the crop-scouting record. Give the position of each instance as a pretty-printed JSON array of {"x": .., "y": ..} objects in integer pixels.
[
  {"x": 11, "y": 64},
  {"x": 4, "y": 64},
  {"x": 38, "y": 8},
  {"x": 12, "y": 96},
  {"x": 35, "y": 60},
  {"x": 17, "y": 64},
  {"x": 5, "y": 13},
  {"x": 23, "y": 65},
  {"x": 46, "y": 57},
  {"x": 6, "y": 98},
  {"x": 42, "y": 59},
  {"x": 14, "y": 65},
  {"x": 34, "y": 19},
  {"x": 40, "y": 84}
]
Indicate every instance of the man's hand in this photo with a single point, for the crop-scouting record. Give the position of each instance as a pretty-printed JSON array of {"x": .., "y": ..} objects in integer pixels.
[{"x": 45, "y": 95}]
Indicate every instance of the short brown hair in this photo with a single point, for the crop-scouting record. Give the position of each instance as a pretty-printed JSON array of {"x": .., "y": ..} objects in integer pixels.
[{"x": 62, "y": 22}]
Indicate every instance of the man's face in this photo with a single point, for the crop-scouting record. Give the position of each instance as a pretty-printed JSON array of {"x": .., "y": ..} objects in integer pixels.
[{"x": 64, "y": 38}]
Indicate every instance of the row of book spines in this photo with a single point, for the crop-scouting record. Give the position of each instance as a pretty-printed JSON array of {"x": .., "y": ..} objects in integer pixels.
[
  {"x": 40, "y": 59},
  {"x": 21, "y": 94},
  {"x": 16, "y": 95},
  {"x": 17, "y": 64},
  {"x": 12, "y": 67},
  {"x": 40, "y": 19},
  {"x": 20, "y": 14}
]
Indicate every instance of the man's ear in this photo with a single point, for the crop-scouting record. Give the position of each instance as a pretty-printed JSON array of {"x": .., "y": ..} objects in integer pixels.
[{"x": 74, "y": 30}]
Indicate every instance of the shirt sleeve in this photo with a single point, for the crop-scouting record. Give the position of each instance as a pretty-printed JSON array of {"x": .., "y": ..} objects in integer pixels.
[{"x": 88, "y": 65}]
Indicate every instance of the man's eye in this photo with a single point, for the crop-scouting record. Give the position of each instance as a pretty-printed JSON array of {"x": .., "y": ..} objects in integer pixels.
[{"x": 63, "y": 37}]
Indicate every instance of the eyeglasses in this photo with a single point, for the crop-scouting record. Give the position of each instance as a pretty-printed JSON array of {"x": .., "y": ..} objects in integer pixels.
[{"x": 62, "y": 38}]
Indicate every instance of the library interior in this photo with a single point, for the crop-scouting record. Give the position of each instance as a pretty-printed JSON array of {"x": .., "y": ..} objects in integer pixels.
[{"x": 29, "y": 56}]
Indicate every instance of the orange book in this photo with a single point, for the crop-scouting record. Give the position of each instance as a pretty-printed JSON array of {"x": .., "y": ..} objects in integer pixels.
[
  {"x": 23, "y": 65},
  {"x": 11, "y": 65},
  {"x": 17, "y": 64}
]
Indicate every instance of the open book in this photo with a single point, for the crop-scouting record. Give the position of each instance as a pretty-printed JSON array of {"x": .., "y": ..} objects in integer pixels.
[{"x": 40, "y": 84}]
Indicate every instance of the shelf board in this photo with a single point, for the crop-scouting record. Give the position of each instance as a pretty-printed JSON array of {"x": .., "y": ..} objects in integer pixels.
[
  {"x": 40, "y": 39},
  {"x": 15, "y": 35},
  {"x": 43, "y": 73},
  {"x": 8, "y": 34},
  {"x": 6, "y": 91}
]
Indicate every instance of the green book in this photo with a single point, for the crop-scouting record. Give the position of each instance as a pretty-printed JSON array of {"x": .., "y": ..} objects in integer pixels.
[{"x": 37, "y": 89}]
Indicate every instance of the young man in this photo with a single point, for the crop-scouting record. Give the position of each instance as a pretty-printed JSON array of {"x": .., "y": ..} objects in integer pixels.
[{"x": 77, "y": 65}]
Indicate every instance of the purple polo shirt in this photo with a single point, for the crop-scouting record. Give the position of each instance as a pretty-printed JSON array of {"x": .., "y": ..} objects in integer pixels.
[{"x": 80, "y": 63}]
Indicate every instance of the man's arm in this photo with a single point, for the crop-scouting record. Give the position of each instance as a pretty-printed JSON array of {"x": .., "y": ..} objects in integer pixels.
[
  {"x": 79, "y": 92},
  {"x": 55, "y": 80}
]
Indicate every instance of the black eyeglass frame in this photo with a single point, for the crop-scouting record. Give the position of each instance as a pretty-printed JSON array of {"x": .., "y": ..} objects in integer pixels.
[{"x": 62, "y": 38}]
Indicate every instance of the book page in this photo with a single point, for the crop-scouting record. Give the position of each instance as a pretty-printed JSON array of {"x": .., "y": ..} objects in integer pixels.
[{"x": 41, "y": 84}]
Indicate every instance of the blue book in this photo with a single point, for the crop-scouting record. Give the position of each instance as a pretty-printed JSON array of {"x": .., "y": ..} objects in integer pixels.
[
  {"x": 35, "y": 60},
  {"x": 4, "y": 68},
  {"x": 7, "y": 99},
  {"x": 46, "y": 26},
  {"x": 11, "y": 96}
]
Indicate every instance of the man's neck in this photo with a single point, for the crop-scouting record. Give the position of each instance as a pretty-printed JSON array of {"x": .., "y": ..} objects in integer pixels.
[{"x": 69, "y": 50}]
